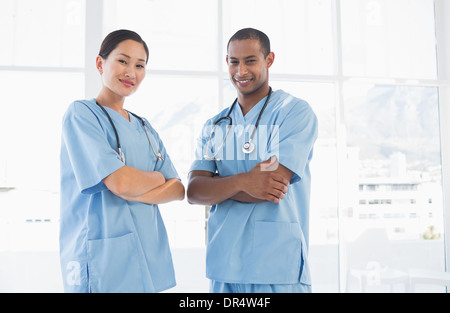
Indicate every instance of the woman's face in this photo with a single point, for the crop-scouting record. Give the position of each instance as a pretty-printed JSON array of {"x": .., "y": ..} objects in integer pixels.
[{"x": 124, "y": 68}]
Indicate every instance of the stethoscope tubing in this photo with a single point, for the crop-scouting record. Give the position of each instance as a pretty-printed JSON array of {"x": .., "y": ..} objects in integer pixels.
[
  {"x": 248, "y": 146},
  {"x": 158, "y": 155}
]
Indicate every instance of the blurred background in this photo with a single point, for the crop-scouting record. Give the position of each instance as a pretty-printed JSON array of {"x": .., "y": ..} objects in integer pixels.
[{"x": 376, "y": 73}]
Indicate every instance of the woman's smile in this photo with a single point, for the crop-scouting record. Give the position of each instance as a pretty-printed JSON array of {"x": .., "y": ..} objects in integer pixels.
[{"x": 127, "y": 83}]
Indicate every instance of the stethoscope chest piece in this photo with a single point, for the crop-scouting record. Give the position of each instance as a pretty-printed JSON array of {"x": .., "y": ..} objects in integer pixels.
[
  {"x": 159, "y": 157},
  {"x": 248, "y": 147},
  {"x": 122, "y": 155}
]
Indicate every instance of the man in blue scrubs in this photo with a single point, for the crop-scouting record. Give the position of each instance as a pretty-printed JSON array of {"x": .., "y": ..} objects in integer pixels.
[{"x": 259, "y": 221}]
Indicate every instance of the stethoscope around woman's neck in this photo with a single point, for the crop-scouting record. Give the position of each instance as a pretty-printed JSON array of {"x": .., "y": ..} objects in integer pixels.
[{"x": 158, "y": 155}]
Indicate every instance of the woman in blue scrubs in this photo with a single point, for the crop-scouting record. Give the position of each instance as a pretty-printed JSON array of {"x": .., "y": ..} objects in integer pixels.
[{"x": 112, "y": 237}]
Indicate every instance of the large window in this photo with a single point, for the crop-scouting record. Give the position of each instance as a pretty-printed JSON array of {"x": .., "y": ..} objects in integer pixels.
[
  {"x": 368, "y": 68},
  {"x": 391, "y": 212},
  {"x": 41, "y": 72}
]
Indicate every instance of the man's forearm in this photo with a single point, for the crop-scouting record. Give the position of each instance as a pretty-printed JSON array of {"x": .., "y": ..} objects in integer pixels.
[
  {"x": 267, "y": 181},
  {"x": 209, "y": 190},
  {"x": 245, "y": 197}
]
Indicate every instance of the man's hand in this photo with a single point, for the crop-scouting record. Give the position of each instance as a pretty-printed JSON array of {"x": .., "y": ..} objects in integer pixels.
[{"x": 266, "y": 181}]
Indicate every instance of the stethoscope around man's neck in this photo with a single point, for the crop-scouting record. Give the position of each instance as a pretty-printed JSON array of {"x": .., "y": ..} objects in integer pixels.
[
  {"x": 158, "y": 155},
  {"x": 249, "y": 146}
]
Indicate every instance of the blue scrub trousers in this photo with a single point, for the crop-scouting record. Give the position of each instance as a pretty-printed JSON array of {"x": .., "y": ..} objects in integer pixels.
[{"x": 221, "y": 287}]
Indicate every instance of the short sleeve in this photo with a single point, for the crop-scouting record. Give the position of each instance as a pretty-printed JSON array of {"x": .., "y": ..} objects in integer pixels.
[
  {"x": 89, "y": 152},
  {"x": 166, "y": 166},
  {"x": 293, "y": 140},
  {"x": 201, "y": 162}
]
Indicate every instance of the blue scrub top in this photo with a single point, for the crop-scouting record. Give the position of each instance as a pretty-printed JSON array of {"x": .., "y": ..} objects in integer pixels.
[
  {"x": 261, "y": 243},
  {"x": 108, "y": 244}
]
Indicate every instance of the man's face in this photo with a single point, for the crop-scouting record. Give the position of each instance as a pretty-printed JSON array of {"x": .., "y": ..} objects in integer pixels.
[{"x": 247, "y": 65}]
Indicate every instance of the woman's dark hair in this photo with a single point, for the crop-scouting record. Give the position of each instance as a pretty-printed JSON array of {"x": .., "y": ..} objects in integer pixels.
[
  {"x": 251, "y": 33},
  {"x": 115, "y": 38}
]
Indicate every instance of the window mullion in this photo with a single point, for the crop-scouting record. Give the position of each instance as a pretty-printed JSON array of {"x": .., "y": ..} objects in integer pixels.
[
  {"x": 442, "y": 11},
  {"x": 93, "y": 39}
]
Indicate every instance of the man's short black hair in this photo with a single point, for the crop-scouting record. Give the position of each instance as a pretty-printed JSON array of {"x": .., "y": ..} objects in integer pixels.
[{"x": 251, "y": 33}]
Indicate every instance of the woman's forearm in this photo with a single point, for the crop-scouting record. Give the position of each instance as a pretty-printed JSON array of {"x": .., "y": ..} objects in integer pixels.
[
  {"x": 131, "y": 182},
  {"x": 172, "y": 190}
]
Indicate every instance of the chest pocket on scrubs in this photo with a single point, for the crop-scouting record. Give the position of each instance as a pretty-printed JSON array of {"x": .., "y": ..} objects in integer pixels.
[{"x": 114, "y": 265}]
